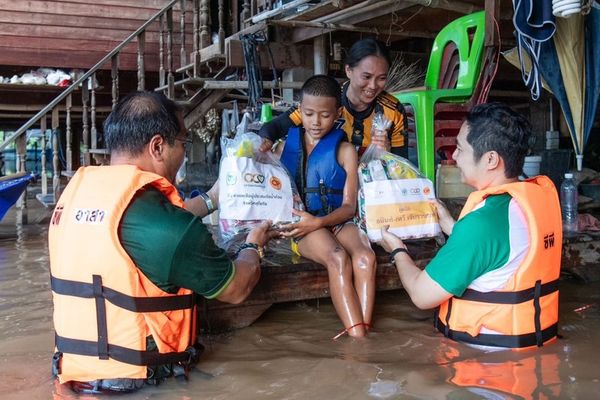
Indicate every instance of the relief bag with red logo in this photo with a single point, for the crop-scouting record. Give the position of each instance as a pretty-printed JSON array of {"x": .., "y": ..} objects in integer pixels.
[
  {"x": 393, "y": 192},
  {"x": 253, "y": 186}
]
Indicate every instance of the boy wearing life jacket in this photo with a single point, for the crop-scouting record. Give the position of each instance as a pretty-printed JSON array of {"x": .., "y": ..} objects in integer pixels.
[
  {"x": 324, "y": 167},
  {"x": 126, "y": 258},
  {"x": 496, "y": 279}
]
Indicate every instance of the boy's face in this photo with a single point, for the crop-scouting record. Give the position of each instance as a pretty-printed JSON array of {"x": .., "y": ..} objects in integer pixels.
[{"x": 318, "y": 114}]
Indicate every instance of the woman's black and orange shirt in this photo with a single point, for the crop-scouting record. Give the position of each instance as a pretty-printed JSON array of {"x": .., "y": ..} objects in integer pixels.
[{"x": 357, "y": 125}]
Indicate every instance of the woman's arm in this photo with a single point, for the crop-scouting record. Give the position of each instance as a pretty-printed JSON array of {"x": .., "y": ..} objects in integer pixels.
[{"x": 278, "y": 127}]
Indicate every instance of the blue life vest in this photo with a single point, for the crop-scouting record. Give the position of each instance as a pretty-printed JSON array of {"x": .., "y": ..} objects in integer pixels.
[{"x": 322, "y": 186}]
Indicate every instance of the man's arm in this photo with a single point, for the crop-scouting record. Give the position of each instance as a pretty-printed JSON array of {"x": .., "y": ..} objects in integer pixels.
[
  {"x": 247, "y": 266},
  {"x": 424, "y": 292},
  {"x": 247, "y": 273},
  {"x": 198, "y": 205}
]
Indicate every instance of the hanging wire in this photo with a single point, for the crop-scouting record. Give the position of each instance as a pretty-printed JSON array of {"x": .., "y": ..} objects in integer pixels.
[{"x": 400, "y": 27}]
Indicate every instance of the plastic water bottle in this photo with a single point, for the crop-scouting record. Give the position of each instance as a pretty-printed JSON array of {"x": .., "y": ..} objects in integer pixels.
[{"x": 568, "y": 201}]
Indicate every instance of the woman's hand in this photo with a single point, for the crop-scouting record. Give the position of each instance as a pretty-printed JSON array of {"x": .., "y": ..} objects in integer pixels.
[
  {"x": 444, "y": 217},
  {"x": 389, "y": 241},
  {"x": 308, "y": 223},
  {"x": 381, "y": 140}
]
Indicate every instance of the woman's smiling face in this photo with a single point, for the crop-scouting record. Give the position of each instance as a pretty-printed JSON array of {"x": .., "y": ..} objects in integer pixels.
[{"x": 367, "y": 80}]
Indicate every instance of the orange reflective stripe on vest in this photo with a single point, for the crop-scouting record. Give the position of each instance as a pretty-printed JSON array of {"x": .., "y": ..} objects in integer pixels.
[
  {"x": 104, "y": 306},
  {"x": 525, "y": 311}
]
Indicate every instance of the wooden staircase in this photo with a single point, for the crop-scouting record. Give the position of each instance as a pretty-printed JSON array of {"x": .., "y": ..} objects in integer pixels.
[
  {"x": 197, "y": 82},
  {"x": 172, "y": 52}
]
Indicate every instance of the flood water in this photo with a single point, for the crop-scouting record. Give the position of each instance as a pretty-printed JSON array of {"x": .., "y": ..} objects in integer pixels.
[{"x": 289, "y": 354}]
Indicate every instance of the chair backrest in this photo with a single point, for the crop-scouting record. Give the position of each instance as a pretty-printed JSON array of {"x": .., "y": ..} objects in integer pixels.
[{"x": 459, "y": 46}]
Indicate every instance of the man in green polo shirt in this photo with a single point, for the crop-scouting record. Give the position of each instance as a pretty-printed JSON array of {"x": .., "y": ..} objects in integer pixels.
[
  {"x": 500, "y": 259},
  {"x": 121, "y": 235}
]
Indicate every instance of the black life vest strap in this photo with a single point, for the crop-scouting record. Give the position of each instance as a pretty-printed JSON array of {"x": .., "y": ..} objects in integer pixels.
[
  {"x": 135, "y": 304},
  {"x": 536, "y": 338},
  {"x": 324, "y": 190},
  {"x": 520, "y": 296},
  {"x": 129, "y": 356},
  {"x": 510, "y": 341}
]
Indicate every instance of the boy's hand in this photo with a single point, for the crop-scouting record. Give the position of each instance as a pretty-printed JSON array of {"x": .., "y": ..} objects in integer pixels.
[
  {"x": 444, "y": 217},
  {"x": 308, "y": 223},
  {"x": 266, "y": 145},
  {"x": 389, "y": 241}
]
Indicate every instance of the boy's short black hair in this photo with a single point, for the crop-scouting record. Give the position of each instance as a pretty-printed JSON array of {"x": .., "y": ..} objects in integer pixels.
[{"x": 322, "y": 86}]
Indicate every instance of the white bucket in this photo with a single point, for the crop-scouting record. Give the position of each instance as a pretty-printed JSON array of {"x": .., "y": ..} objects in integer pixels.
[{"x": 531, "y": 167}]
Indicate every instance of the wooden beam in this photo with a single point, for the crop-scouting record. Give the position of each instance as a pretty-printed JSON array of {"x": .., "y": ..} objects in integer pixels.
[
  {"x": 230, "y": 85},
  {"x": 492, "y": 18},
  {"x": 202, "y": 108},
  {"x": 285, "y": 56},
  {"x": 328, "y": 27}
]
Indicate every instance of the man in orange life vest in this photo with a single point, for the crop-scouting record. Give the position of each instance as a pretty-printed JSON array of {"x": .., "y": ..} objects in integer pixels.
[
  {"x": 496, "y": 279},
  {"x": 126, "y": 258}
]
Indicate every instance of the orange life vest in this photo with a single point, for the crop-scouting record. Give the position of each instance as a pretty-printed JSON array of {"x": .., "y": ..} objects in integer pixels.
[
  {"x": 533, "y": 377},
  {"x": 525, "y": 311},
  {"x": 104, "y": 306}
]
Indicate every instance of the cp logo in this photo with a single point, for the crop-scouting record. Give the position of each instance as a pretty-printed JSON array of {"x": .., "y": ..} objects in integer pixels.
[{"x": 254, "y": 178}]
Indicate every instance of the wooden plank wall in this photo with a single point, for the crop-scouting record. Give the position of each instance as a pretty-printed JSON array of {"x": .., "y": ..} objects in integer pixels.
[{"x": 78, "y": 33}]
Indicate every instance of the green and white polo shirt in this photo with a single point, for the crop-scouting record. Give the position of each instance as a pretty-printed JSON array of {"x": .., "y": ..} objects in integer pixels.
[{"x": 485, "y": 249}]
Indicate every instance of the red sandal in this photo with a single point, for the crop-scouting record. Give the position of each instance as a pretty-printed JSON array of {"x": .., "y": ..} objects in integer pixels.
[{"x": 345, "y": 331}]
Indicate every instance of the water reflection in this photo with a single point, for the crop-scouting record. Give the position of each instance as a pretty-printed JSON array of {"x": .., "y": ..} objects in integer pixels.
[{"x": 289, "y": 354}]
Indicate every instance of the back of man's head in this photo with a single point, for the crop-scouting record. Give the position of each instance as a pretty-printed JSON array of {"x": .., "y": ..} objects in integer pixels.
[
  {"x": 137, "y": 118},
  {"x": 323, "y": 86},
  {"x": 496, "y": 127}
]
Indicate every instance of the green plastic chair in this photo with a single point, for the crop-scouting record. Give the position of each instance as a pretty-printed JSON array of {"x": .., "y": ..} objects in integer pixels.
[{"x": 467, "y": 34}]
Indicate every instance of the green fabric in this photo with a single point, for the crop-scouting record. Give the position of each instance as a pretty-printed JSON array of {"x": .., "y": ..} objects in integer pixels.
[
  {"x": 172, "y": 247},
  {"x": 480, "y": 242}
]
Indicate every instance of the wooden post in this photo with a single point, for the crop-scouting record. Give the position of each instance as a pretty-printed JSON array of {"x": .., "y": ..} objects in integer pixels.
[
  {"x": 221, "y": 27},
  {"x": 69, "y": 134},
  {"x": 245, "y": 14},
  {"x": 204, "y": 18},
  {"x": 21, "y": 152},
  {"x": 93, "y": 130},
  {"x": 492, "y": 19},
  {"x": 55, "y": 160},
  {"x": 196, "y": 27},
  {"x": 44, "y": 176},
  {"x": 161, "y": 51},
  {"x": 114, "y": 75},
  {"x": 320, "y": 55},
  {"x": 170, "y": 77},
  {"x": 141, "y": 68},
  {"x": 85, "y": 98},
  {"x": 182, "y": 53}
]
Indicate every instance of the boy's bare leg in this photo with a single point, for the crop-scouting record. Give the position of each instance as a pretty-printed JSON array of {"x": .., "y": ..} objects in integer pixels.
[
  {"x": 363, "y": 259},
  {"x": 322, "y": 247}
]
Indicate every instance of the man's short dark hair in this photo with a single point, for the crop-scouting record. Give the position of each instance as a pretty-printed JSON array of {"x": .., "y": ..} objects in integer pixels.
[
  {"x": 137, "y": 118},
  {"x": 323, "y": 86},
  {"x": 496, "y": 127}
]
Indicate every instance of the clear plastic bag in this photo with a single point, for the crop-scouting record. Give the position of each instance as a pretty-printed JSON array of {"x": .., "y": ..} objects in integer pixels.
[
  {"x": 253, "y": 186},
  {"x": 393, "y": 192}
]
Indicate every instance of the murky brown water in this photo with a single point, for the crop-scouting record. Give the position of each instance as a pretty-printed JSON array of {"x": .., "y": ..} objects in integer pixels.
[{"x": 289, "y": 354}]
